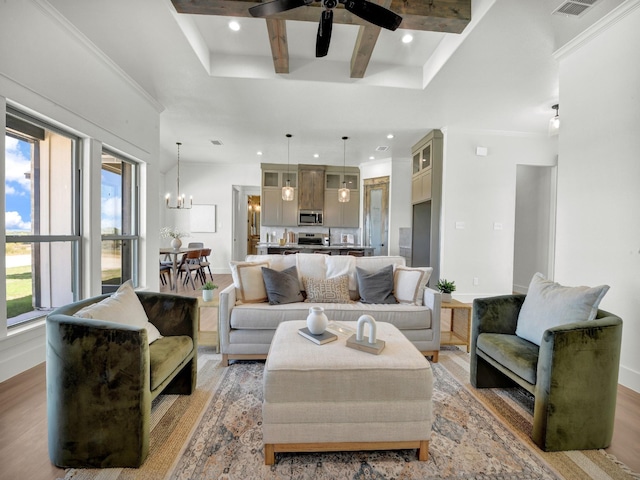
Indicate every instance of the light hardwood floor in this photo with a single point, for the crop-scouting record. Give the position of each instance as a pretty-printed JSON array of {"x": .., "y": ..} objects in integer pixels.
[{"x": 23, "y": 418}]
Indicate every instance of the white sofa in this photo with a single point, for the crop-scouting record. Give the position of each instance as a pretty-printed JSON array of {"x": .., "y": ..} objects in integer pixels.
[{"x": 246, "y": 329}]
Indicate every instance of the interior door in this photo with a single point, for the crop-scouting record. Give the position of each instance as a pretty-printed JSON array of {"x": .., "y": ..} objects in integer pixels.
[{"x": 376, "y": 214}]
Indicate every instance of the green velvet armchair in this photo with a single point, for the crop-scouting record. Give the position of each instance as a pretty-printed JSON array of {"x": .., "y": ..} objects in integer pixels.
[
  {"x": 573, "y": 374},
  {"x": 102, "y": 377}
]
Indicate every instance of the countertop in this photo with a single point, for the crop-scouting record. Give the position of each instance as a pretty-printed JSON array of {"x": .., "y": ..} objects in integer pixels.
[{"x": 295, "y": 246}]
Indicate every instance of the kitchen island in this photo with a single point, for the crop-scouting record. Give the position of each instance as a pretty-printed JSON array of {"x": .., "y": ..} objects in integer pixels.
[{"x": 339, "y": 249}]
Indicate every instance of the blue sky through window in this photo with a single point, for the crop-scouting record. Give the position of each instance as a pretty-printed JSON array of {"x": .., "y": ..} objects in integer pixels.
[{"x": 17, "y": 185}]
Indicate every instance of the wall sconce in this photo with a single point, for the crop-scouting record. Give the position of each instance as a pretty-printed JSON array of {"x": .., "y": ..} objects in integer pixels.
[{"x": 554, "y": 123}]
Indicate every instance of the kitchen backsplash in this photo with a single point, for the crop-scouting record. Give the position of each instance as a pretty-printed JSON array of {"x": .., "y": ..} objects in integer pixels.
[{"x": 337, "y": 235}]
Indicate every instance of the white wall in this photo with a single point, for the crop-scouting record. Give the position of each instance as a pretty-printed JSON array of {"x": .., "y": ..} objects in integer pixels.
[
  {"x": 211, "y": 185},
  {"x": 51, "y": 70},
  {"x": 598, "y": 232},
  {"x": 534, "y": 224},
  {"x": 479, "y": 195}
]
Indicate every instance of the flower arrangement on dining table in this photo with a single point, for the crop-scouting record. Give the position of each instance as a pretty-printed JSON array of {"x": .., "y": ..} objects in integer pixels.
[{"x": 174, "y": 234}]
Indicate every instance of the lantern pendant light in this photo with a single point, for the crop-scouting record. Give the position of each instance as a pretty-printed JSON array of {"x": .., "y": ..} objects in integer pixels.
[
  {"x": 287, "y": 190},
  {"x": 344, "y": 195},
  {"x": 180, "y": 200}
]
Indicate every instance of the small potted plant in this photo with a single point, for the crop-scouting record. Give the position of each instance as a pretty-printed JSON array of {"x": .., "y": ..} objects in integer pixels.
[
  {"x": 207, "y": 291},
  {"x": 446, "y": 287}
]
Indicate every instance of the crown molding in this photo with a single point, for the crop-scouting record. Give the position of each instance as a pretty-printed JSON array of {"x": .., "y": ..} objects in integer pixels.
[
  {"x": 54, "y": 14},
  {"x": 595, "y": 30}
]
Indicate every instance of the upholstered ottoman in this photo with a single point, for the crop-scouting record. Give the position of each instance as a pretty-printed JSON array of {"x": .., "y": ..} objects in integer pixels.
[{"x": 334, "y": 398}]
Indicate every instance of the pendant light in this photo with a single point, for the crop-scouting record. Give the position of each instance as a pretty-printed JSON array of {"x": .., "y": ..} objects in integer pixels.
[
  {"x": 554, "y": 123},
  {"x": 287, "y": 190},
  {"x": 180, "y": 200},
  {"x": 344, "y": 195}
]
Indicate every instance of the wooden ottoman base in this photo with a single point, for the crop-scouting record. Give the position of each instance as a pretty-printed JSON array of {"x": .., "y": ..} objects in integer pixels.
[
  {"x": 328, "y": 398},
  {"x": 271, "y": 449}
]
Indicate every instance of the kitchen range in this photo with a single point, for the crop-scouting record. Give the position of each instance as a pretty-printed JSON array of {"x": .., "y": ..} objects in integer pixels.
[{"x": 310, "y": 242}]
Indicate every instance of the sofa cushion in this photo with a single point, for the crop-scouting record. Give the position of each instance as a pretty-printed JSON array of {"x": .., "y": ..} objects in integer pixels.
[
  {"x": 329, "y": 290},
  {"x": 166, "y": 355},
  {"x": 376, "y": 287},
  {"x": 265, "y": 316},
  {"x": 518, "y": 355},
  {"x": 337, "y": 265},
  {"x": 282, "y": 287},
  {"x": 310, "y": 265},
  {"x": 122, "y": 307},
  {"x": 549, "y": 304},
  {"x": 247, "y": 278},
  {"x": 409, "y": 284}
]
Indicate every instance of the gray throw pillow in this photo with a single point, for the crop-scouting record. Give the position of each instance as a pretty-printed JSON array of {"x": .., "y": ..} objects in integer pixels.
[
  {"x": 376, "y": 287},
  {"x": 282, "y": 287}
]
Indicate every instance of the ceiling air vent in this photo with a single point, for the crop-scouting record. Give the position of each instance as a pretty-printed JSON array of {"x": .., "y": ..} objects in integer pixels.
[
  {"x": 382, "y": 148},
  {"x": 216, "y": 142},
  {"x": 574, "y": 8}
]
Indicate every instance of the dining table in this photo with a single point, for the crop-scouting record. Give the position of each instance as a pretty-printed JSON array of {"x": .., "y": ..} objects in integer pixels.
[{"x": 173, "y": 254}]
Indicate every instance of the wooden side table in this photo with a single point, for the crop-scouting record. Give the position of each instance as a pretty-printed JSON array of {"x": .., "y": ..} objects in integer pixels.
[
  {"x": 208, "y": 338},
  {"x": 460, "y": 331}
]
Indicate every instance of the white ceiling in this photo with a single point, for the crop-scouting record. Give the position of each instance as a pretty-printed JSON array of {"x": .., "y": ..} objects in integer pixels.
[{"x": 216, "y": 84}]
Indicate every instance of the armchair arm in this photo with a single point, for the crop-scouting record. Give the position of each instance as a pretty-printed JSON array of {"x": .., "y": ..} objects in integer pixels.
[
  {"x": 577, "y": 378},
  {"x": 171, "y": 314},
  {"x": 433, "y": 299},
  {"x": 227, "y": 298},
  {"x": 495, "y": 315},
  {"x": 95, "y": 371}
]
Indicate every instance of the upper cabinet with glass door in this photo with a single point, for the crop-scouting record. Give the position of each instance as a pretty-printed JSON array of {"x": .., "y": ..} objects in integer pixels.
[{"x": 425, "y": 153}]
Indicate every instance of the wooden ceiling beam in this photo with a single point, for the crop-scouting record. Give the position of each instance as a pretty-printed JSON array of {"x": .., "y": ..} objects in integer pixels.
[
  {"x": 365, "y": 43},
  {"x": 449, "y": 16},
  {"x": 277, "y": 30}
]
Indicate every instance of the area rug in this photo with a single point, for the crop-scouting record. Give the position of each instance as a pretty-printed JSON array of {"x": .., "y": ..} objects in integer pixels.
[{"x": 477, "y": 434}]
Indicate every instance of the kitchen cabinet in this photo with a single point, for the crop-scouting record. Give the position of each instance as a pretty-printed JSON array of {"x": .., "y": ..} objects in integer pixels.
[
  {"x": 274, "y": 211},
  {"x": 337, "y": 214},
  {"x": 311, "y": 191},
  {"x": 426, "y": 198}
]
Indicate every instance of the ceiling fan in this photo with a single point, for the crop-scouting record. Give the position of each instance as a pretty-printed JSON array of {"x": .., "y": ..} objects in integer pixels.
[{"x": 371, "y": 12}]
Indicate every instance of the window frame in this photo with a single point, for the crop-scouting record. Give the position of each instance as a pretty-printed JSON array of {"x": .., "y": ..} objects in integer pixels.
[
  {"x": 22, "y": 126},
  {"x": 133, "y": 237}
]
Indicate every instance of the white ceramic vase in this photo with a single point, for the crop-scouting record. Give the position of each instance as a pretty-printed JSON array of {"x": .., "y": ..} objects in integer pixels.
[
  {"x": 317, "y": 321},
  {"x": 446, "y": 297},
  {"x": 207, "y": 295},
  {"x": 176, "y": 243}
]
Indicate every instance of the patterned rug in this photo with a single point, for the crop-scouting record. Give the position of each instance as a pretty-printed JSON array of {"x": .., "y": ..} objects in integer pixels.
[{"x": 477, "y": 434}]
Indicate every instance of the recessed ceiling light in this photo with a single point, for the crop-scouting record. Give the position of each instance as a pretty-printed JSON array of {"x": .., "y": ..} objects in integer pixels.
[
  {"x": 315, "y": 155},
  {"x": 390, "y": 136},
  {"x": 258, "y": 153},
  {"x": 372, "y": 157},
  {"x": 233, "y": 25},
  {"x": 407, "y": 38}
]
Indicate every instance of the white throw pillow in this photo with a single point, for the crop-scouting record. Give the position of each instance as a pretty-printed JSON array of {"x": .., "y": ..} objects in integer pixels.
[
  {"x": 409, "y": 284},
  {"x": 549, "y": 304},
  {"x": 122, "y": 307},
  {"x": 247, "y": 278}
]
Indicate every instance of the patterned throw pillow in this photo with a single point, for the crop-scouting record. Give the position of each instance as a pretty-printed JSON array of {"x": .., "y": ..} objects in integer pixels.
[{"x": 330, "y": 290}]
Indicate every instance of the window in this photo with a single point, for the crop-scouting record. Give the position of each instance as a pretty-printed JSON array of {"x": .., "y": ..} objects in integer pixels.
[
  {"x": 119, "y": 221},
  {"x": 41, "y": 218}
]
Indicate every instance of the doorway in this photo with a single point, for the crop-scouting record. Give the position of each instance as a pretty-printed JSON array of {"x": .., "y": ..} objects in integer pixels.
[
  {"x": 240, "y": 219},
  {"x": 376, "y": 214},
  {"x": 253, "y": 227}
]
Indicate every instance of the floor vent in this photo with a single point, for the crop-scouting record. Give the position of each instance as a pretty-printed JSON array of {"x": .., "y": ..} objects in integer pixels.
[
  {"x": 574, "y": 8},
  {"x": 382, "y": 148}
]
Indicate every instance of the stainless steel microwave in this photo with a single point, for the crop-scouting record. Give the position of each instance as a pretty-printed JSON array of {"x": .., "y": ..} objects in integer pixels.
[{"x": 309, "y": 217}]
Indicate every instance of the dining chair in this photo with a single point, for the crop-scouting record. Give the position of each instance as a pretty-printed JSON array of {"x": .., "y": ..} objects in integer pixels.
[
  {"x": 195, "y": 245},
  {"x": 166, "y": 269},
  {"x": 204, "y": 263},
  {"x": 190, "y": 266}
]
